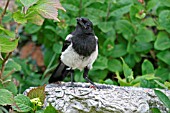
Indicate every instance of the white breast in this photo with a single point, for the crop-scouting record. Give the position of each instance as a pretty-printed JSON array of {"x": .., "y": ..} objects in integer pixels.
[{"x": 70, "y": 58}]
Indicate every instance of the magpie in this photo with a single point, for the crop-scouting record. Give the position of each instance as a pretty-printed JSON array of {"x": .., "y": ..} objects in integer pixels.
[{"x": 80, "y": 50}]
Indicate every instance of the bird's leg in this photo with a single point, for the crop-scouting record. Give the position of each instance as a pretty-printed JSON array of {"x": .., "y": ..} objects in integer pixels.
[
  {"x": 72, "y": 77},
  {"x": 85, "y": 76}
]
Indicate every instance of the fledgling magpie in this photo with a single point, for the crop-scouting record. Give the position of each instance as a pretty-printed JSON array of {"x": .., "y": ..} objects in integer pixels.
[{"x": 79, "y": 51}]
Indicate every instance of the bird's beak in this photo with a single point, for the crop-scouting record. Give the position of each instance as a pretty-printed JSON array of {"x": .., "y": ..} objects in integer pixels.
[{"x": 80, "y": 21}]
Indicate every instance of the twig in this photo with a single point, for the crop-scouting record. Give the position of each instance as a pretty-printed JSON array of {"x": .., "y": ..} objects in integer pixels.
[
  {"x": 3, "y": 64},
  {"x": 10, "y": 73},
  {"x": 4, "y": 11}
]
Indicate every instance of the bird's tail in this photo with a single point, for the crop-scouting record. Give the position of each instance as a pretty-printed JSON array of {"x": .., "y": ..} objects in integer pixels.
[{"x": 59, "y": 73}]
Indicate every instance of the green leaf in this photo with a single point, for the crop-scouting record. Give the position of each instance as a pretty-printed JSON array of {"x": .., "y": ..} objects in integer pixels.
[
  {"x": 32, "y": 28},
  {"x": 10, "y": 86},
  {"x": 148, "y": 77},
  {"x": 120, "y": 9},
  {"x": 38, "y": 92},
  {"x": 164, "y": 20},
  {"x": 11, "y": 64},
  {"x": 57, "y": 48},
  {"x": 166, "y": 3},
  {"x": 128, "y": 73},
  {"x": 6, "y": 97},
  {"x": 100, "y": 63},
  {"x": 108, "y": 47},
  {"x": 114, "y": 65},
  {"x": 109, "y": 81},
  {"x": 121, "y": 81},
  {"x": 11, "y": 34},
  {"x": 126, "y": 28},
  {"x": 155, "y": 110},
  {"x": 163, "y": 98},
  {"x": 142, "y": 46},
  {"x": 23, "y": 103},
  {"x": 97, "y": 75},
  {"x": 105, "y": 26},
  {"x": 34, "y": 18},
  {"x": 119, "y": 50},
  {"x": 164, "y": 56},
  {"x": 149, "y": 22},
  {"x": 19, "y": 17},
  {"x": 163, "y": 73},
  {"x": 147, "y": 67},
  {"x": 100, "y": 13},
  {"x": 50, "y": 109},
  {"x": 162, "y": 42},
  {"x": 7, "y": 45},
  {"x": 28, "y": 3},
  {"x": 144, "y": 35}
]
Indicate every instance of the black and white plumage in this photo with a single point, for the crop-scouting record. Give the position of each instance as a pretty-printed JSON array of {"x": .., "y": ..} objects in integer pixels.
[{"x": 79, "y": 51}]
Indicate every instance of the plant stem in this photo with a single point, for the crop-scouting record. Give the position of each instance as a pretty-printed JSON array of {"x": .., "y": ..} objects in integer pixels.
[
  {"x": 108, "y": 11},
  {"x": 10, "y": 73},
  {"x": 4, "y": 11},
  {"x": 3, "y": 64}
]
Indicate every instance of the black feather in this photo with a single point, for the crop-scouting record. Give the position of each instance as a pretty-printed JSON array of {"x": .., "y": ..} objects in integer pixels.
[{"x": 59, "y": 73}]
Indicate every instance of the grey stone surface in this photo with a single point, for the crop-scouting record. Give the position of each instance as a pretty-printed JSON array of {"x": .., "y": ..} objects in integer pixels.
[{"x": 108, "y": 99}]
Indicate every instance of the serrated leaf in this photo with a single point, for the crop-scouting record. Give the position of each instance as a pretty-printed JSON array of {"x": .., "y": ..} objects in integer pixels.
[
  {"x": 147, "y": 67},
  {"x": 50, "y": 109},
  {"x": 164, "y": 56},
  {"x": 6, "y": 97},
  {"x": 35, "y": 18},
  {"x": 7, "y": 45},
  {"x": 114, "y": 65},
  {"x": 38, "y": 92},
  {"x": 54, "y": 3},
  {"x": 10, "y": 86},
  {"x": 23, "y": 103},
  {"x": 19, "y": 17},
  {"x": 28, "y": 3},
  {"x": 163, "y": 98},
  {"x": 128, "y": 73},
  {"x": 47, "y": 11},
  {"x": 162, "y": 42}
]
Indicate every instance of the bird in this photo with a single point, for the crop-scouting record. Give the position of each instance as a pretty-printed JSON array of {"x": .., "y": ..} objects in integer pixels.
[{"x": 79, "y": 51}]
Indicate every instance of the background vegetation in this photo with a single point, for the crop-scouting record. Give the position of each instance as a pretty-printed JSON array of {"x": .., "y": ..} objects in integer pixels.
[{"x": 134, "y": 43}]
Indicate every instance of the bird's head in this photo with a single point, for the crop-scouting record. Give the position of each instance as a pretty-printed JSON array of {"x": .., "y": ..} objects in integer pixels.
[{"x": 85, "y": 25}]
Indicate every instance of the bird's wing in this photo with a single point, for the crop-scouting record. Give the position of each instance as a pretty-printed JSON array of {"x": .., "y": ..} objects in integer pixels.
[{"x": 67, "y": 42}]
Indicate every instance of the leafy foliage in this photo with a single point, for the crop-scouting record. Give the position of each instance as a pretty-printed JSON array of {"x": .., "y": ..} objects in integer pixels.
[{"x": 134, "y": 44}]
